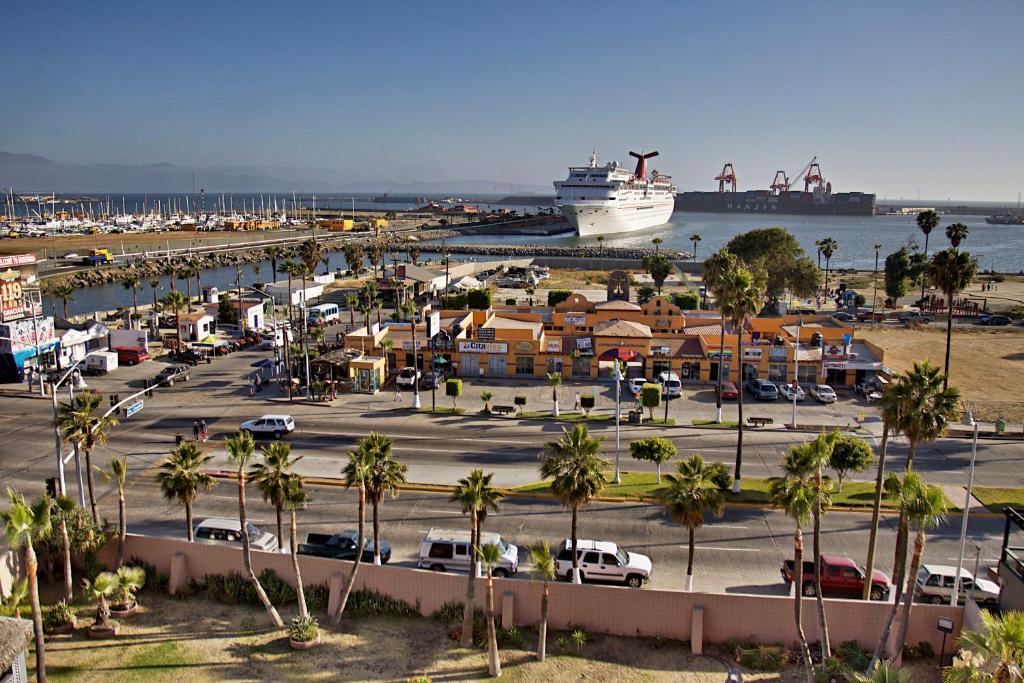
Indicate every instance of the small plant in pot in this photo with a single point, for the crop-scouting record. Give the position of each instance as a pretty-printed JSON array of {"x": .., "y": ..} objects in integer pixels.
[
  {"x": 59, "y": 619},
  {"x": 303, "y": 633},
  {"x": 129, "y": 581},
  {"x": 99, "y": 589}
]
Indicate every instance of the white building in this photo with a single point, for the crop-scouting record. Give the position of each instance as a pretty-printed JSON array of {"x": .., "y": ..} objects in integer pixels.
[
  {"x": 78, "y": 339},
  {"x": 299, "y": 294},
  {"x": 194, "y": 326}
]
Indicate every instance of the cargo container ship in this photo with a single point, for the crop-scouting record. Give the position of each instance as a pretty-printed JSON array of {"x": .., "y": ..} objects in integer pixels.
[{"x": 816, "y": 198}]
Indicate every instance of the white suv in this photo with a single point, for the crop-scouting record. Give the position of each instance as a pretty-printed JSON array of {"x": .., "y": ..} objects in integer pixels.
[
  {"x": 670, "y": 384},
  {"x": 935, "y": 585},
  {"x": 408, "y": 376},
  {"x": 227, "y": 531},
  {"x": 604, "y": 561},
  {"x": 275, "y": 426}
]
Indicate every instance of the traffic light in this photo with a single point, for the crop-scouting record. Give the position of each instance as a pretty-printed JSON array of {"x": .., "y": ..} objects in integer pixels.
[{"x": 51, "y": 487}]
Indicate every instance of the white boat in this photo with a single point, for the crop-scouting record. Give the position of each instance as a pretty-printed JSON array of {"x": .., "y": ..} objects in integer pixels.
[{"x": 600, "y": 200}]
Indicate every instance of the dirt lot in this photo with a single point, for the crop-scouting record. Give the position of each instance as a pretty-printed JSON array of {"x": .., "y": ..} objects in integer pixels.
[{"x": 983, "y": 362}]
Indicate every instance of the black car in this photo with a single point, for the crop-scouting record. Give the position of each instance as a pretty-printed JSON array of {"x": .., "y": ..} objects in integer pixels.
[
  {"x": 342, "y": 546},
  {"x": 173, "y": 373},
  {"x": 844, "y": 317},
  {"x": 994, "y": 320},
  {"x": 188, "y": 356},
  {"x": 431, "y": 381}
]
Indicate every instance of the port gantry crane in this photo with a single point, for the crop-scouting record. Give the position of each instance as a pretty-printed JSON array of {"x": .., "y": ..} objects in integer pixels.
[
  {"x": 727, "y": 177},
  {"x": 779, "y": 186}
]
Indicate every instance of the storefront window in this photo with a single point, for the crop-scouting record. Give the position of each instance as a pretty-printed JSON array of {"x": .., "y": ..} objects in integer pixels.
[
  {"x": 690, "y": 371},
  {"x": 808, "y": 374},
  {"x": 660, "y": 366},
  {"x": 581, "y": 367},
  {"x": 777, "y": 372},
  {"x": 524, "y": 365},
  {"x": 749, "y": 371},
  {"x": 554, "y": 365}
]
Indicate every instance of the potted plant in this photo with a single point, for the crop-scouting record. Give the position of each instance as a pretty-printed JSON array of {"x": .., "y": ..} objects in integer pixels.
[
  {"x": 99, "y": 589},
  {"x": 129, "y": 581},
  {"x": 59, "y": 619},
  {"x": 520, "y": 401},
  {"x": 303, "y": 633},
  {"x": 587, "y": 403}
]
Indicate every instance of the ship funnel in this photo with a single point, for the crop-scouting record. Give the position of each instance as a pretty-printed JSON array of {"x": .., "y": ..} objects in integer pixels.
[{"x": 641, "y": 164}]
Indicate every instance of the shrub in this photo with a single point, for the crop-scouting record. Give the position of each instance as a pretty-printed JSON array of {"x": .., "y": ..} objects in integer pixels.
[
  {"x": 234, "y": 589},
  {"x": 454, "y": 302},
  {"x": 303, "y": 629},
  {"x": 922, "y": 650},
  {"x": 155, "y": 581},
  {"x": 587, "y": 403},
  {"x": 688, "y": 301},
  {"x": 580, "y": 638},
  {"x": 449, "y": 613},
  {"x": 645, "y": 294},
  {"x": 650, "y": 397},
  {"x": 562, "y": 643},
  {"x": 419, "y": 679},
  {"x": 317, "y": 595},
  {"x": 453, "y": 389},
  {"x": 510, "y": 636},
  {"x": 557, "y": 296},
  {"x": 480, "y": 299},
  {"x": 722, "y": 478},
  {"x": 859, "y": 299},
  {"x": 279, "y": 592},
  {"x": 58, "y": 615},
  {"x": 370, "y": 603},
  {"x": 849, "y": 653},
  {"x": 764, "y": 658},
  {"x": 510, "y": 301}
]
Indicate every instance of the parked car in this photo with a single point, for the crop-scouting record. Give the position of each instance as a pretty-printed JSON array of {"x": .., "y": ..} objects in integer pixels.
[
  {"x": 636, "y": 384},
  {"x": 934, "y": 584},
  {"x": 824, "y": 393},
  {"x": 914, "y": 318},
  {"x": 603, "y": 561},
  {"x": 173, "y": 373},
  {"x": 431, "y": 381},
  {"x": 762, "y": 390},
  {"x": 343, "y": 546},
  {"x": 188, "y": 356},
  {"x": 217, "y": 530},
  {"x": 443, "y": 550},
  {"x": 995, "y": 320},
  {"x": 789, "y": 392},
  {"x": 131, "y": 355},
  {"x": 276, "y": 426},
  {"x": 670, "y": 384},
  {"x": 840, "y": 576},
  {"x": 407, "y": 377},
  {"x": 865, "y": 316},
  {"x": 729, "y": 391},
  {"x": 844, "y": 317}
]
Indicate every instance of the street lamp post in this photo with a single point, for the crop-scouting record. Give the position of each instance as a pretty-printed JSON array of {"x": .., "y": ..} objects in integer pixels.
[
  {"x": 415, "y": 361},
  {"x": 617, "y": 376},
  {"x": 796, "y": 368},
  {"x": 955, "y": 595}
]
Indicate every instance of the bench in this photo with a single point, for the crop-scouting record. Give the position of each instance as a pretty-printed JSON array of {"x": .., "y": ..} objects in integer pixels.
[
  {"x": 502, "y": 410},
  {"x": 759, "y": 421}
]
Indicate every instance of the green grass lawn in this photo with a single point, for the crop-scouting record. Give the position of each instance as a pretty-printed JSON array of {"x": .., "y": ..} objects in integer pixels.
[
  {"x": 581, "y": 417},
  {"x": 440, "y": 410},
  {"x": 724, "y": 424},
  {"x": 996, "y": 498}
]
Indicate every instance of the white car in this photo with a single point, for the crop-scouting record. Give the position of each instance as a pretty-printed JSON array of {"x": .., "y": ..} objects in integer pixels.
[
  {"x": 934, "y": 584},
  {"x": 824, "y": 393},
  {"x": 408, "y": 376},
  {"x": 217, "y": 530},
  {"x": 636, "y": 384},
  {"x": 789, "y": 392},
  {"x": 604, "y": 561},
  {"x": 276, "y": 426},
  {"x": 670, "y": 384}
]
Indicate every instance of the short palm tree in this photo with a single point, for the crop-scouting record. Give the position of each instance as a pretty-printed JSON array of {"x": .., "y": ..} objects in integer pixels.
[
  {"x": 352, "y": 303},
  {"x": 386, "y": 476},
  {"x": 927, "y": 221},
  {"x": 181, "y": 478},
  {"x": 688, "y": 497},
  {"x": 128, "y": 581},
  {"x": 240, "y": 450},
  {"x": 80, "y": 425},
  {"x": 475, "y": 496},
  {"x": 997, "y": 652},
  {"x": 118, "y": 475},
  {"x": 356, "y": 471},
  {"x": 271, "y": 477},
  {"x": 695, "y": 238},
  {"x": 99, "y": 589},
  {"x": 951, "y": 271},
  {"x": 16, "y": 597},
  {"x": 957, "y": 233},
  {"x": 133, "y": 282},
  {"x": 577, "y": 474},
  {"x": 154, "y": 285},
  {"x": 486, "y": 397},
  {"x": 65, "y": 292},
  {"x": 657, "y": 244},
  {"x": 544, "y": 566},
  {"x": 490, "y": 556},
  {"x": 295, "y": 500},
  {"x": 828, "y": 249},
  {"x": 174, "y": 301},
  {"x": 554, "y": 381},
  {"x": 24, "y": 524}
]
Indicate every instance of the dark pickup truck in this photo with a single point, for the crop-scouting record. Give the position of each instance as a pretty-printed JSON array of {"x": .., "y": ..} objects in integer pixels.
[
  {"x": 840, "y": 577},
  {"x": 342, "y": 546}
]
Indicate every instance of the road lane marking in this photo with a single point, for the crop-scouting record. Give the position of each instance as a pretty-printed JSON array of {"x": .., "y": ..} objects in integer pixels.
[
  {"x": 733, "y": 550},
  {"x": 728, "y": 526}
]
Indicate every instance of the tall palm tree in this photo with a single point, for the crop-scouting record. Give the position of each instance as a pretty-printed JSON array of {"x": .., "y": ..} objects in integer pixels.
[
  {"x": 357, "y": 470},
  {"x": 154, "y": 284},
  {"x": 375, "y": 252},
  {"x": 490, "y": 555},
  {"x": 240, "y": 450},
  {"x": 181, "y": 478},
  {"x": 385, "y": 347},
  {"x": 794, "y": 493},
  {"x": 742, "y": 297},
  {"x": 951, "y": 271},
  {"x": 957, "y": 233},
  {"x": 657, "y": 244},
  {"x": 196, "y": 264},
  {"x": 287, "y": 267},
  {"x": 600, "y": 244},
  {"x": 238, "y": 295},
  {"x": 170, "y": 270},
  {"x": 24, "y": 523},
  {"x": 312, "y": 253},
  {"x": 371, "y": 297},
  {"x": 818, "y": 454},
  {"x": 273, "y": 253},
  {"x": 65, "y": 292},
  {"x": 132, "y": 282},
  {"x": 927, "y": 221},
  {"x": 475, "y": 496},
  {"x": 928, "y": 407},
  {"x": 80, "y": 425},
  {"x": 695, "y": 238},
  {"x": 688, "y": 497},
  {"x": 544, "y": 565},
  {"x": 185, "y": 272},
  {"x": 874, "y": 292},
  {"x": 554, "y": 381},
  {"x": 174, "y": 301},
  {"x": 577, "y": 474},
  {"x": 118, "y": 475},
  {"x": 386, "y": 476},
  {"x": 352, "y": 303},
  {"x": 294, "y": 500},
  {"x": 998, "y": 651},
  {"x": 828, "y": 249},
  {"x": 716, "y": 270},
  {"x": 271, "y": 477},
  {"x": 64, "y": 509}
]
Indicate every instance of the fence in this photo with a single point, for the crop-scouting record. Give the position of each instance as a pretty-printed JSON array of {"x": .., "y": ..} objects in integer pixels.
[{"x": 700, "y": 617}]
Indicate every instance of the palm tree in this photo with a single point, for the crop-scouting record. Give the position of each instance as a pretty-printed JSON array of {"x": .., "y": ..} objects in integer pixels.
[
  {"x": 554, "y": 381},
  {"x": 794, "y": 493},
  {"x": 476, "y": 496},
  {"x": 742, "y": 296},
  {"x": 385, "y": 346},
  {"x": 927, "y": 221},
  {"x": 128, "y": 580},
  {"x": 371, "y": 297},
  {"x": 874, "y": 293},
  {"x": 65, "y": 292},
  {"x": 16, "y": 597},
  {"x": 118, "y": 474},
  {"x": 287, "y": 267},
  {"x": 828, "y": 248},
  {"x": 181, "y": 478},
  {"x": 174, "y": 301},
  {"x": 600, "y": 244},
  {"x": 695, "y": 238},
  {"x": 486, "y": 397},
  {"x": 271, "y": 477},
  {"x": 578, "y": 476},
  {"x": 24, "y": 523},
  {"x": 63, "y": 510},
  {"x": 928, "y": 407},
  {"x": 312, "y": 253},
  {"x": 132, "y": 282},
  {"x": 490, "y": 555},
  {"x": 99, "y": 589},
  {"x": 170, "y": 270},
  {"x": 386, "y": 476},
  {"x": 197, "y": 272},
  {"x": 998, "y": 651},
  {"x": 185, "y": 272},
  {"x": 79, "y": 425},
  {"x": 352, "y": 303},
  {"x": 544, "y": 565},
  {"x": 818, "y": 455},
  {"x": 951, "y": 271},
  {"x": 273, "y": 253},
  {"x": 375, "y": 252},
  {"x": 154, "y": 284},
  {"x": 360, "y": 461},
  {"x": 688, "y": 497},
  {"x": 295, "y": 499},
  {"x": 240, "y": 450},
  {"x": 716, "y": 271},
  {"x": 957, "y": 233},
  {"x": 657, "y": 244}
]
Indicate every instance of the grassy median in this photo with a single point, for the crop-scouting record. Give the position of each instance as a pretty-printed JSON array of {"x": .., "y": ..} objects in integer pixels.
[{"x": 995, "y": 499}]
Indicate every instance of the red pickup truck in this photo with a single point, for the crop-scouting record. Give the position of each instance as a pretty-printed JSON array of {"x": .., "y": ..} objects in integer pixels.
[{"x": 840, "y": 577}]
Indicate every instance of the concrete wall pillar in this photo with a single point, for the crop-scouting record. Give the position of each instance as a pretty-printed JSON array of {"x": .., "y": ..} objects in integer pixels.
[
  {"x": 507, "y": 606},
  {"x": 697, "y": 630},
  {"x": 179, "y": 573},
  {"x": 334, "y": 594}
]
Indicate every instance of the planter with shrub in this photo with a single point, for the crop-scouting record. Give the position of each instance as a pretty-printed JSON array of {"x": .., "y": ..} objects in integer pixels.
[
  {"x": 303, "y": 633},
  {"x": 59, "y": 619},
  {"x": 129, "y": 581},
  {"x": 99, "y": 589}
]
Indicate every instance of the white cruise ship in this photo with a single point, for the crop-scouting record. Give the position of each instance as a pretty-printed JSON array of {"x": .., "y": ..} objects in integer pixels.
[{"x": 600, "y": 200}]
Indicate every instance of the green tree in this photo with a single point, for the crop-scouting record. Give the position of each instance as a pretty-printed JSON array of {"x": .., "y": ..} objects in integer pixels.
[
  {"x": 356, "y": 471},
  {"x": 544, "y": 566},
  {"x": 688, "y": 301},
  {"x": 375, "y": 253},
  {"x": 24, "y": 523},
  {"x": 65, "y": 292},
  {"x": 654, "y": 449},
  {"x": 352, "y": 303},
  {"x": 480, "y": 299},
  {"x": 272, "y": 477},
  {"x": 689, "y": 496},
  {"x": 174, "y": 301},
  {"x": 453, "y": 389},
  {"x": 154, "y": 285},
  {"x": 80, "y": 425},
  {"x": 312, "y": 253},
  {"x": 490, "y": 556},
  {"x": 897, "y": 270},
  {"x": 486, "y": 397},
  {"x": 273, "y": 253},
  {"x": 476, "y": 496},
  {"x": 99, "y": 589},
  {"x": 414, "y": 254},
  {"x": 828, "y": 249},
  {"x": 557, "y": 296},
  {"x": 787, "y": 267},
  {"x": 650, "y": 397},
  {"x": 716, "y": 272},
  {"x": 957, "y": 233},
  {"x": 927, "y": 221},
  {"x": 577, "y": 474},
  {"x": 65, "y": 510},
  {"x": 657, "y": 245},
  {"x": 226, "y": 313},
  {"x": 849, "y": 454},
  {"x": 186, "y": 271},
  {"x": 659, "y": 268},
  {"x": 554, "y": 381},
  {"x": 132, "y": 282},
  {"x": 818, "y": 453},
  {"x": 995, "y": 654},
  {"x": 695, "y": 238},
  {"x": 118, "y": 475},
  {"x": 386, "y": 476},
  {"x": 645, "y": 294},
  {"x": 951, "y": 271},
  {"x": 181, "y": 478},
  {"x": 240, "y": 450}
]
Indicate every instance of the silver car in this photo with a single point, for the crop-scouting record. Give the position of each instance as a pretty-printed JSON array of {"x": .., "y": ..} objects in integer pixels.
[{"x": 227, "y": 531}]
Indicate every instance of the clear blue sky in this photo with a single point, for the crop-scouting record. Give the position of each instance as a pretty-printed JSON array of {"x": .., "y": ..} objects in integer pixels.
[{"x": 893, "y": 97}]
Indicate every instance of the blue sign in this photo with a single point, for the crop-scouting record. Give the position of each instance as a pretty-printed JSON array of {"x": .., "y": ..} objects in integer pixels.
[{"x": 132, "y": 409}]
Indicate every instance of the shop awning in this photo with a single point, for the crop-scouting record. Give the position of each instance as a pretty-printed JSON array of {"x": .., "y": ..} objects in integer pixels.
[{"x": 620, "y": 354}]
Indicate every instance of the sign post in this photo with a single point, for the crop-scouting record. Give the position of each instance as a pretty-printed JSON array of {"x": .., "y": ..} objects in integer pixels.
[{"x": 132, "y": 409}]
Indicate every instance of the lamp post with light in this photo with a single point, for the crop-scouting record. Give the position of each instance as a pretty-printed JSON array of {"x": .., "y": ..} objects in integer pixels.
[{"x": 955, "y": 595}]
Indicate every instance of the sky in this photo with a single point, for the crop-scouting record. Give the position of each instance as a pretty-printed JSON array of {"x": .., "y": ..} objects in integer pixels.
[{"x": 901, "y": 99}]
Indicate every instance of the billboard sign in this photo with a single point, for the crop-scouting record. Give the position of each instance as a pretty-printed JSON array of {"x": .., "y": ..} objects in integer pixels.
[{"x": 466, "y": 346}]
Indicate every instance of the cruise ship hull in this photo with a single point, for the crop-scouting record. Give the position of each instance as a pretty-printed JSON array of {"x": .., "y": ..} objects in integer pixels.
[{"x": 605, "y": 220}]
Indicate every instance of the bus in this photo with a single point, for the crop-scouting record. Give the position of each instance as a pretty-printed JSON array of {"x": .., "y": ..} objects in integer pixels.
[{"x": 323, "y": 313}]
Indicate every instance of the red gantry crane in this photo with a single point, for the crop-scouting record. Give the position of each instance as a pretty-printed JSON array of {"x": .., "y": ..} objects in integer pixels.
[
  {"x": 727, "y": 177},
  {"x": 780, "y": 184}
]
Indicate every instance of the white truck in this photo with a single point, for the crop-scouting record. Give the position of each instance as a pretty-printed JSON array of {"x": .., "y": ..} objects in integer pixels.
[{"x": 100, "y": 362}]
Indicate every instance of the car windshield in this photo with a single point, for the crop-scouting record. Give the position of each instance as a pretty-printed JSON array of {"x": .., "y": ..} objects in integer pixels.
[
  {"x": 622, "y": 556},
  {"x": 407, "y": 372},
  {"x": 253, "y": 532}
]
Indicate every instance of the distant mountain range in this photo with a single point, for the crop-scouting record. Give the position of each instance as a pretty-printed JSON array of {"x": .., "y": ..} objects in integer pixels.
[{"x": 28, "y": 173}]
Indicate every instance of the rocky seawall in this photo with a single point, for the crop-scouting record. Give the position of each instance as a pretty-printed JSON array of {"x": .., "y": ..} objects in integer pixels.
[{"x": 527, "y": 250}]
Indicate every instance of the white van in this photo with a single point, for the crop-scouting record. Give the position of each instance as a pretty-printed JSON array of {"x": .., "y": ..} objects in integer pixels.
[
  {"x": 227, "y": 531},
  {"x": 670, "y": 384},
  {"x": 443, "y": 550},
  {"x": 274, "y": 339},
  {"x": 603, "y": 561},
  {"x": 322, "y": 314}
]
